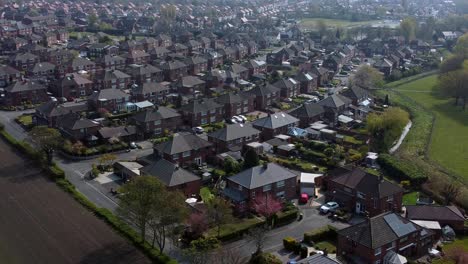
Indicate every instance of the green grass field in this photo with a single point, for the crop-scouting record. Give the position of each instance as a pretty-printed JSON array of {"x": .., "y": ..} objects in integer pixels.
[
  {"x": 410, "y": 198},
  {"x": 449, "y": 142},
  {"x": 311, "y": 23}
]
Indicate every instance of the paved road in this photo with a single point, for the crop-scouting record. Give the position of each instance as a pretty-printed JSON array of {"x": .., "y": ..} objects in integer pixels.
[
  {"x": 8, "y": 119},
  {"x": 274, "y": 242}
]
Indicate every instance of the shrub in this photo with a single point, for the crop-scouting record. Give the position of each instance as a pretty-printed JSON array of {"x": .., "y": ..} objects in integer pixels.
[
  {"x": 304, "y": 252},
  {"x": 290, "y": 243},
  {"x": 286, "y": 217},
  {"x": 325, "y": 233},
  {"x": 264, "y": 258},
  {"x": 405, "y": 184},
  {"x": 401, "y": 169}
]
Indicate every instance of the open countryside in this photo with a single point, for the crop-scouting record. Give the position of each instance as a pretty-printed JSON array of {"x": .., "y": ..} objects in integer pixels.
[
  {"x": 311, "y": 23},
  {"x": 449, "y": 142},
  {"x": 40, "y": 223}
]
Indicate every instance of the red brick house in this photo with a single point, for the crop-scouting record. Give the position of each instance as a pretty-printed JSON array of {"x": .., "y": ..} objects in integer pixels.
[
  {"x": 113, "y": 79},
  {"x": 307, "y": 82},
  {"x": 184, "y": 149},
  {"x": 445, "y": 215},
  {"x": 275, "y": 124},
  {"x": 196, "y": 65},
  {"x": 236, "y": 103},
  {"x": 75, "y": 127},
  {"x": 362, "y": 193},
  {"x": 233, "y": 137},
  {"x": 8, "y": 75},
  {"x": 82, "y": 64},
  {"x": 113, "y": 62},
  {"x": 49, "y": 112},
  {"x": 153, "y": 92},
  {"x": 113, "y": 100},
  {"x": 174, "y": 70},
  {"x": 145, "y": 73},
  {"x": 24, "y": 92},
  {"x": 173, "y": 177},
  {"x": 288, "y": 87},
  {"x": 154, "y": 122},
  {"x": 189, "y": 84},
  {"x": 24, "y": 61},
  {"x": 201, "y": 112},
  {"x": 42, "y": 71},
  {"x": 308, "y": 113},
  {"x": 73, "y": 85},
  {"x": 264, "y": 96},
  {"x": 379, "y": 238},
  {"x": 268, "y": 179},
  {"x": 137, "y": 57},
  {"x": 255, "y": 67}
]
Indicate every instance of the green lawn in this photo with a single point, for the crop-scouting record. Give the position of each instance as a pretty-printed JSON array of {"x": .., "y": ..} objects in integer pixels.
[
  {"x": 461, "y": 242},
  {"x": 25, "y": 119},
  {"x": 449, "y": 143},
  {"x": 311, "y": 23},
  {"x": 331, "y": 248},
  {"x": 410, "y": 198}
]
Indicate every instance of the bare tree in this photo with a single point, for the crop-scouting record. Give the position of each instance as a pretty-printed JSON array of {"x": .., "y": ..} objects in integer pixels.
[
  {"x": 227, "y": 256},
  {"x": 258, "y": 236}
]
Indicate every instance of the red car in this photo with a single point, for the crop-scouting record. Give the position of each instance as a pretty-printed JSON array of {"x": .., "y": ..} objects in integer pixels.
[{"x": 304, "y": 198}]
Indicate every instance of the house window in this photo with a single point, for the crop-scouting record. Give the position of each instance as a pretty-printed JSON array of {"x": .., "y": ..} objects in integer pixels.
[
  {"x": 377, "y": 262},
  {"x": 403, "y": 239},
  {"x": 390, "y": 199},
  {"x": 157, "y": 131},
  {"x": 375, "y": 202},
  {"x": 213, "y": 119},
  {"x": 203, "y": 113},
  {"x": 361, "y": 195},
  {"x": 392, "y": 246},
  {"x": 239, "y": 187},
  {"x": 279, "y": 184},
  {"x": 280, "y": 194},
  {"x": 82, "y": 92},
  {"x": 348, "y": 190},
  {"x": 378, "y": 251},
  {"x": 157, "y": 122},
  {"x": 203, "y": 121},
  {"x": 253, "y": 194},
  {"x": 175, "y": 156},
  {"x": 267, "y": 188},
  {"x": 186, "y": 154}
]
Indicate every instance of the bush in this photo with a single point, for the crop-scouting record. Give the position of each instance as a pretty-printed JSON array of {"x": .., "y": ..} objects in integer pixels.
[
  {"x": 405, "y": 184},
  {"x": 238, "y": 233},
  {"x": 264, "y": 258},
  {"x": 304, "y": 252},
  {"x": 325, "y": 233},
  {"x": 286, "y": 217},
  {"x": 401, "y": 169},
  {"x": 290, "y": 243}
]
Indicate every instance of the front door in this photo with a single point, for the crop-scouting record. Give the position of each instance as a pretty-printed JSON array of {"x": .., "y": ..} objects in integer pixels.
[
  {"x": 358, "y": 207},
  {"x": 198, "y": 161}
]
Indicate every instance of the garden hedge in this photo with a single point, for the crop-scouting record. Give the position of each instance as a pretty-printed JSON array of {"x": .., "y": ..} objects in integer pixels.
[
  {"x": 58, "y": 175},
  {"x": 325, "y": 233},
  {"x": 401, "y": 169},
  {"x": 290, "y": 243}
]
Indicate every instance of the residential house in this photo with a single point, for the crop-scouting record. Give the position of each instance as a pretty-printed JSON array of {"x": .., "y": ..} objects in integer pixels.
[
  {"x": 196, "y": 65},
  {"x": 24, "y": 92},
  {"x": 24, "y": 61},
  {"x": 323, "y": 75},
  {"x": 184, "y": 149},
  {"x": 255, "y": 67},
  {"x": 75, "y": 127},
  {"x": 189, "y": 85},
  {"x": 307, "y": 82},
  {"x": 155, "y": 121},
  {"x": 236, "y": 103},
  {"x": 173, "y": 177},
  {"x": 8, "y": 75},
  {"x": 275, "y": 124},
  {"x": 359, "y": 192},
  {"x": 110, "y": 62},
  {"x": 445, "y": 215},
  {"x": 158, "y": 53},
  {"x": 153, "y": 92},
  {"x": 145, "y": 73},
  {"x": 137, "y": 57},
  {"x": 288, "y": 87},
  {"x": 260, "y": 181},
  {"x": 264, "y": 96},
  {"x": 179, "y": 49},
  {"x": 239, "y": 70},
  {"x": 384, "y": 65},
  {"x": 356, "y": 94},
  {"x": 201, "y": 112},
  {"x": 308, "y": 113},
  {"x": 163, "y": 40},
  {"x": 82, "y": 64},
  {"x": 113, "y": 79},
  {"x": 99, "y": 50},
  {"x": 334, "y": 106},
  {"x": 113, "y": 100},
  {"x": 71, "y": 86},
  {"x": 215, "y": 59},
  {"x": 42, "y": 71},
  {"x": 174, "y": 70},
  {"x": 123, "y": 133},
  {"x": 378, "y": 238},
  {"x": 49, "y": 112},
  {"x": 233, "y": 137}
]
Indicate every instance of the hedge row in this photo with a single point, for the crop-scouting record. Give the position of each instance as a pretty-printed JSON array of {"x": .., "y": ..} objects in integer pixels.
[
  {"x": 116, "y": 223},
  {"x": 285, "y": 218},
  {"x": 401, "y": 169},
  {"x": 291, "y": 244},
  {"x": 325, "y": 233}
]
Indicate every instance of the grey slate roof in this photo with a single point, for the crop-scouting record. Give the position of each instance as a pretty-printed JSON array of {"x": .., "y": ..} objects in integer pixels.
[
  {"x": 334, "y": 101},
  {"x": 114, "y": 75},
  {"x": 263, "y": 90},
  {"x": 43, "y": 66},
  {"x": 307, "y": 110},
  {"x": 318, "y": 259},
  {"x": 234, "y": 131},
  {"x": 231, "y": 98},
  {"x": 152, "y": 114},
  {"x": 169, "y": 173},
  {"x": 259, "y": 176},
  {"x": 379, "y": 230},
  {"x": 275, "y": 120},
  {"x": 53, "y": 108},
  {"x": 22, "y": 86},
  {"x": 434, "y": 213},
  {"x": 181, "y": 143},
  {"x": 109, "y": 94},
  {"x": 190, "y": 81},
  {"x": 150, "y": 88},
  {"x": 355, "y": 93},
  {"x": 198, "y": 106},
  {"x": 74, "y": 121},
  {"x": 121, "y": 131}
]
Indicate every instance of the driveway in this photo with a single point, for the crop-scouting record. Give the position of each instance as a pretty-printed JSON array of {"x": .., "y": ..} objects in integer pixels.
[{"x": 274, "y": 242}]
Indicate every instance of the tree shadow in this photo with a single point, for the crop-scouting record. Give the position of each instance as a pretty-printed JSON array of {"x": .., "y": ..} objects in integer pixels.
[
  {"x": 450, "y": 111},
  {"x": 115, "y": 253}
]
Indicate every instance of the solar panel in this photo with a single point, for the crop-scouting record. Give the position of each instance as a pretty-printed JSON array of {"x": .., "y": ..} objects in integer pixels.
[{"x": 398, "y": 226}]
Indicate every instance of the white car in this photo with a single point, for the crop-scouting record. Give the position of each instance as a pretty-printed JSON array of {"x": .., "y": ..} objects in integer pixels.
[
  {"x": 329, "y": 207},
  {"x": 198, "y": 130},
  {"x": 238, "y": 119},
  {"x": 244, "y": 119}
]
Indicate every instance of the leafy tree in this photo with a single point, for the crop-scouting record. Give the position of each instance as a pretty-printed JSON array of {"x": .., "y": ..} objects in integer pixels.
[
  {"x": 231, "y": 166},
  {"x": 251, "y": 159},
  {"x": 167, "y": 212},
  {"x": 137, "y": 202},
  {"x": 461, "y": 48},
  {"x": 367, "y": 77},
  {"x": 408, "y": 28},
  {"x": 198, "y": 223},
  {"x": 200, "y": 249},
  {"x": 266, "y": 205},
  {"x": 455, "y": 84},
  {"x": 219, "y": 212},
  {"x": 92, "y": 20},
  {"x": 107, "y": 159},
  {"x": 385, "y": 128},
  {"x": 206, "y": 195},
  {"x": 47, "y": 139},
  {"x": 264, "y": 258}
]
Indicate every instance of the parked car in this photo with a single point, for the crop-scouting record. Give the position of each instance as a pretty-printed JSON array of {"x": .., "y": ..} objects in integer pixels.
[
  {"x": 231, "y": 121},
  {"x": 198, "y": 130},
  {"x": 304, "y": 198},
  {"x": 133, "y": 145},
  {"x": 243, "y": 117},
  {"x": 329, "y": 207},
  {"x": 238, "y": 119}
]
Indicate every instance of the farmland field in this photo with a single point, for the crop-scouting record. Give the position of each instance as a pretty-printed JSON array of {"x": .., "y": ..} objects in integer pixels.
[
  {"x": 39, "y": 223},
  {"x": 449, "y": 142}
]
